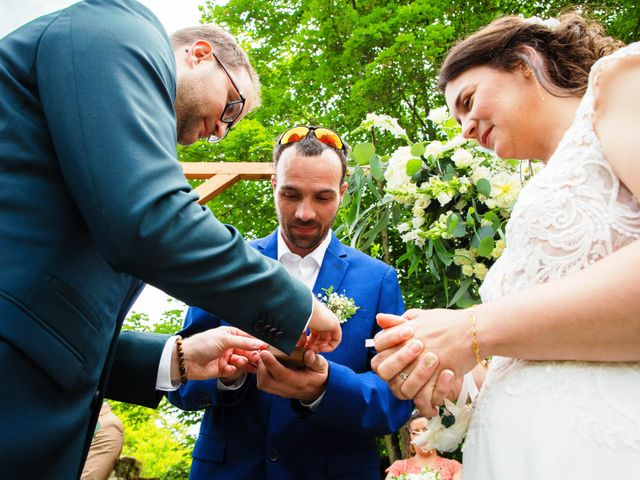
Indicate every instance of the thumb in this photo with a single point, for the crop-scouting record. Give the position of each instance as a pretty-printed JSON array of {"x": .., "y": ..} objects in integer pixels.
[{"x": 314, "y": 362}]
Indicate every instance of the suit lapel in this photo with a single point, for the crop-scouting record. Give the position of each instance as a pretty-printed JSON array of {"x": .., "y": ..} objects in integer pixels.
[
  {"x": 334, "y": 267},
  {"x": 268, "y": 245}
]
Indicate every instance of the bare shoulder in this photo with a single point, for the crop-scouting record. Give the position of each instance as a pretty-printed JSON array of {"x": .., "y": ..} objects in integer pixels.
[{"x": 617, "y": 117}]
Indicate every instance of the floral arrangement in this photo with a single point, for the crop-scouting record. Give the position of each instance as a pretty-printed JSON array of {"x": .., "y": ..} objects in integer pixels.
[
  {"x": 425, "y": 474},
  {"x": 342, "y": 306},
  {"x": 454, "y": 199}
]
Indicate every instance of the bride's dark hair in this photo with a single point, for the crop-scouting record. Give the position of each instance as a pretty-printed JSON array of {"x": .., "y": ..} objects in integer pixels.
[{"x": 560, "y": 54}]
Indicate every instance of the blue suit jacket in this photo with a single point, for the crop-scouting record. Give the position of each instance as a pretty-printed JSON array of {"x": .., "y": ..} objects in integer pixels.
[
  {"x": 92, "y": 201},
  {"x": 252, "y": 434}
]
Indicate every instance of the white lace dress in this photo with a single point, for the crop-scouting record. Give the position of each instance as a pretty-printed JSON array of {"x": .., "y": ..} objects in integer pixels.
[{"x": 561, "y": 420}]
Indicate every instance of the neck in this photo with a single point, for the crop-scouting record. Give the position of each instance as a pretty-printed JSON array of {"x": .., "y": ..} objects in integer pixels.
[{"x": 557, "y": 118}]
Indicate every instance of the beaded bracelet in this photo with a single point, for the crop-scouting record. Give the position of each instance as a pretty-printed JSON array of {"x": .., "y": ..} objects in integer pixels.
[{"x": 181, "y": 367}]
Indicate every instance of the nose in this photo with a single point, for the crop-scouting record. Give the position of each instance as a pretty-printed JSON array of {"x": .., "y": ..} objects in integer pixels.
[
  {"x": 469, "y": 128},
  {"x": 220, "y": 129},
  {"x": 305, "y": 211}
]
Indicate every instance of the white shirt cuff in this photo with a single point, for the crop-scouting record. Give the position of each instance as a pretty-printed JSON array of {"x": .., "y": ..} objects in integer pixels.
[
  {"x": 313, "y": 406},
  {"x": 313, "y": 305},
  {"x": 163, "y": 381},
  {"x": 234, "y": 386}
]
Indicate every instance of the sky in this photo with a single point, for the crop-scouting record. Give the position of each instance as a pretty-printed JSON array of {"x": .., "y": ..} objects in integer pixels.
[{"x": 174, "y": 14}]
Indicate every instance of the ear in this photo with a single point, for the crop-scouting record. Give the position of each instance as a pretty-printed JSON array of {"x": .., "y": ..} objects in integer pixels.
[
  {"x": 200, "y": 50},
  {"x": 273, "y": 181},
  {"x": 343, "y": 188}
]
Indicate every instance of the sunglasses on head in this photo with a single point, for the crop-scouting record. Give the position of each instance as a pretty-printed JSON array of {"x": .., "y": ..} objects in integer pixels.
[{"x": 323, "y": 135}]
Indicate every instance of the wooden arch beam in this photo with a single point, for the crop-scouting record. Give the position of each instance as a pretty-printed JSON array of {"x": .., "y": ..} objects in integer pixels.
[{"x": 219, "y": 176}]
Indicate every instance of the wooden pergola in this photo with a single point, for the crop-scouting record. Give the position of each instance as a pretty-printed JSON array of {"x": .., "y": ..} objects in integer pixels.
[{"x": 219, "y": 176}]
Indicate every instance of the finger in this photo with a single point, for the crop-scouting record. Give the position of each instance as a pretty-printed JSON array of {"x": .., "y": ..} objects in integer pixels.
[
  {"x": 394, "y": 364},
  {"x": 412, "y": 313},
  {"x": 387, "y": 320},
  {"x": 228, "y": 371},
  {"x": 446, "y": 387},
  {"x": 393, "y": 336},
  {"x": 423, "y": 369},
  {"x": 302, "y": 340},
  {"x": 238, "y": 361},
  {"x": 274, "y": 368},
  {"x": 242, "y": 343},
  {"x": 423, "y": 400},
  {"x": 314, "y": 362}
]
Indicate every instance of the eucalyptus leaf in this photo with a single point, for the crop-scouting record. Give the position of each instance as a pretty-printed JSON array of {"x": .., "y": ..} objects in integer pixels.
[
  {"x": 418, "y": 149},
  {"x": 484, "y": 187},
  {"x": 485, "y": 247},
  {"x": 363, "y": 152},
  {"x": 376, "y": 168},
  {"x": 413, "y": 166}
]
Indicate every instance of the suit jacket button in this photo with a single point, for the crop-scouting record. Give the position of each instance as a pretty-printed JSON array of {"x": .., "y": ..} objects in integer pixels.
[
  {"x": 277, "y": 336},
  {"x": 258, "y": 326},
  {"x": 272, "y": 333},
  {"x": 273, "y": 454}
]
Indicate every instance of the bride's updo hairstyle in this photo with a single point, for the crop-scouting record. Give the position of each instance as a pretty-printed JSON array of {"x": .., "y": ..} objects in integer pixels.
[{"x": 560, "y": 52}]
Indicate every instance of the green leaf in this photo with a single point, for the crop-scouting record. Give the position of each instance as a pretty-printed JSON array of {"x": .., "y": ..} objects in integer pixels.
[
  {"x": 464, "y": 287},
  {"x": 481, "y": 233},
  {"x": 485, "y": 247},
  {"x": 346, "y": 200},
  {"x": 418, "y": 149},
  {"x": 376, "y": 168},
  {"x": 413, "y": 166},
  {"x": 484, "y": 187},
  {"x": 363, "y": 152}
]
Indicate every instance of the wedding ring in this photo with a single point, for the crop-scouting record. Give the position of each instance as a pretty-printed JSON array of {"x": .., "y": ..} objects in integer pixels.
[{"x": 403, "y": 375}]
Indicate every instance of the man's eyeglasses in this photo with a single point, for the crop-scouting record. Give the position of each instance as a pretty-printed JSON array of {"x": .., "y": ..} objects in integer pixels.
[
  {"x": 233, "y": 108},
  {"x": 323, "y": 135}
]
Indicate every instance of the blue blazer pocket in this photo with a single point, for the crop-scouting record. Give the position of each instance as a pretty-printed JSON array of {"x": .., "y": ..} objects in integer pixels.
[
  {"x": 54, "y": 330},
  {"x": 209, "y": 449}
]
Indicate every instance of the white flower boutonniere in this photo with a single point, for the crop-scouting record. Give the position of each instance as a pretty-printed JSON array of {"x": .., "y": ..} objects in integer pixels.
[
  {"x": 446, "y": 431},
  {"x": 344, "y": 307}
]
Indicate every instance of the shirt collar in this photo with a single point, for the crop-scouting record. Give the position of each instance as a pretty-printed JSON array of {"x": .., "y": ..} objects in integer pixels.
[{"x": 317, "y": 255}]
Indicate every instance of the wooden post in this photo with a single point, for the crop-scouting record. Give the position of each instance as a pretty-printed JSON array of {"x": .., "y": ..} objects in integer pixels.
[{"x": 219, "y": 176}]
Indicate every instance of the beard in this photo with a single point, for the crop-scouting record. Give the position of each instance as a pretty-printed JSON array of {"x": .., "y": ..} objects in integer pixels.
[
  {"x": 306, "y": 242},
  {"x": 188, "y": 118}
]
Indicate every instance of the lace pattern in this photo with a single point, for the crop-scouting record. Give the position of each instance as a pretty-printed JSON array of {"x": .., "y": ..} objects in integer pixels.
[{"x": 573, "y": 213}]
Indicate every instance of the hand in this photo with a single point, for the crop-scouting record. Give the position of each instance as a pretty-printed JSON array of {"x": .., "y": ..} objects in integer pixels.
[
  {"x": 305, "y": 384},
  {"x": 326, "y": 332},
  {"x": 431, "y": 370},
  {"x": 218, "y": 352}
]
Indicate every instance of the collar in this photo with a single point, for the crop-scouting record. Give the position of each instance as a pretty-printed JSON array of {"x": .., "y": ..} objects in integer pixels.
[{"x": 317, "y": 255}]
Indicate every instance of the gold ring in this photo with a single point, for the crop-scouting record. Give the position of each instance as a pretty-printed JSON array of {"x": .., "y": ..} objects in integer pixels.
[{"x": 403, "y": 375}]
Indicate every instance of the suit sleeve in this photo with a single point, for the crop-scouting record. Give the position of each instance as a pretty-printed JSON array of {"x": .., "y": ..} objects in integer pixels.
[
  {"x": 362, "y": 402},
  {"x": 135, "y": 368},
  {"x": 107, "y": 84}
]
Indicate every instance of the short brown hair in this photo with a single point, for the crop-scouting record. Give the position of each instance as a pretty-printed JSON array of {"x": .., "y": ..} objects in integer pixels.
[
  {"x": 310, "y": 146},
  {"x": 225, "y": 47},
  {"x": 568, "y": 51}
]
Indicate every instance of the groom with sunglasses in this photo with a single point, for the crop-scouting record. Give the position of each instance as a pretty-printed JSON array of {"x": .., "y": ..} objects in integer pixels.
[{"x": 321, "y": 421}]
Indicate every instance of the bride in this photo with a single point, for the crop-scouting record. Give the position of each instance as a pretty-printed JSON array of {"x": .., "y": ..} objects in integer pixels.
[{"x": 560, "y": 316}]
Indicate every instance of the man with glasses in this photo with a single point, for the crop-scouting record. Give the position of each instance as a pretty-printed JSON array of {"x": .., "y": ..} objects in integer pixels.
[
  {"x": 321, "y": 421},
  {"x": 93, "y": 202}
]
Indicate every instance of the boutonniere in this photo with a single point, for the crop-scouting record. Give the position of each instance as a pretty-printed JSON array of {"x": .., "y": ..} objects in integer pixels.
[{"x": 344, "y": 307}]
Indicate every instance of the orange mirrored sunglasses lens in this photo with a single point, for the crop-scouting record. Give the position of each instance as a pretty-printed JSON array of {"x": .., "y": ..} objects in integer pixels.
[
  {"x": 294, "y": 135},
  {"x": 328, "y": 137}
]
